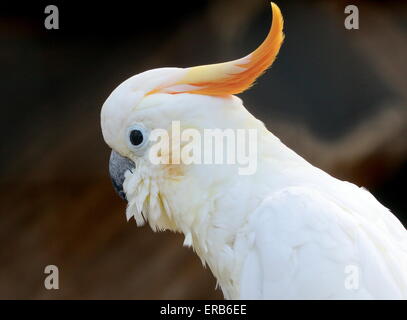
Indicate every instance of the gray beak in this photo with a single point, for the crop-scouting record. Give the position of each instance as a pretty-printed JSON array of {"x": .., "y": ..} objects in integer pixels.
[{"x": 118, "y": 165}]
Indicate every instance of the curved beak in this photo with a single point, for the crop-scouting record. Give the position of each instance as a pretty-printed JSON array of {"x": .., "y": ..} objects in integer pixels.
[{"x": 118, "y": 165}]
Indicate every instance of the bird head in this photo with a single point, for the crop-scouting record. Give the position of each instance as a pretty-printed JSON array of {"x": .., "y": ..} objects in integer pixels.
[{"x": 195, "y": 98}]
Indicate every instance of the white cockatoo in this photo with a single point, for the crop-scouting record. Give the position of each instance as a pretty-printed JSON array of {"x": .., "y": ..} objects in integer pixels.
[{"x": 286, "y": 230}]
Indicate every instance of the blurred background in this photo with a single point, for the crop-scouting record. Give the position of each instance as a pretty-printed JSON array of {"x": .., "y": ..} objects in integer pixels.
[{"x": 337, "y": 97}]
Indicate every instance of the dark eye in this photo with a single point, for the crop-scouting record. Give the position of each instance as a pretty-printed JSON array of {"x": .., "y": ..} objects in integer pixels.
[{"x": 136, "y": 137}]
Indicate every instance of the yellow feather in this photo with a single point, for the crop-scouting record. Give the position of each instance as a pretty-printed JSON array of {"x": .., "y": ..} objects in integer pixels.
[{"x": 234, "y": 76}]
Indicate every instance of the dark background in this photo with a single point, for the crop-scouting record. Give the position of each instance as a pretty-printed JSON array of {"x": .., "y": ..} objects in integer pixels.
[{"x": 335, "y": 96}]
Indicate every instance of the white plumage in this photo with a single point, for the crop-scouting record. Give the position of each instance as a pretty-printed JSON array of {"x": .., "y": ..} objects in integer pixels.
[
  {"x": 289, "y": 231},
  {"x": 305, "y": 240}
]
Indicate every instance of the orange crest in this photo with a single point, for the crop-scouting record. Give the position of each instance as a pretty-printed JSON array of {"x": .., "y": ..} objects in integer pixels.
[{"x": 234, "y": 76}]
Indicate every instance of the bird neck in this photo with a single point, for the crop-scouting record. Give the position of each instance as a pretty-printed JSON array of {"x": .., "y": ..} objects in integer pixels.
[
  {"x": 211, "y": 206},
  {"x": 214, "y": 204}
]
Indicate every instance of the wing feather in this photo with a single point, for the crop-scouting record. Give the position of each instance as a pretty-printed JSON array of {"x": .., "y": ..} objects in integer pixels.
[{"x": 308, "y": 245}]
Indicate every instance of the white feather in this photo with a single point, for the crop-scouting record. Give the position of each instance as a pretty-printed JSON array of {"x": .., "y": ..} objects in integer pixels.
[{"x": 288, "y": 231}]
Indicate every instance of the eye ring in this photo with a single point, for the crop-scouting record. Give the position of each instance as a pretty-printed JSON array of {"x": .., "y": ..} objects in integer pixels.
[{"x": 137, "y": 136}]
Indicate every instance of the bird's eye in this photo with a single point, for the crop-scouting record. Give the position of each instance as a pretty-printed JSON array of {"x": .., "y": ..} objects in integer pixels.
[{"x": 137, "y": 136}]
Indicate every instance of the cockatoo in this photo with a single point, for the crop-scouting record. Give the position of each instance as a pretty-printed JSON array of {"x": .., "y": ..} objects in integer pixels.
[{"x": 288, "y": 230}]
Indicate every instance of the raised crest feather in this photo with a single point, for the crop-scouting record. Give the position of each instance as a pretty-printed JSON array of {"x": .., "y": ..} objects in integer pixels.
[{"x": 235, "y": 76}]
